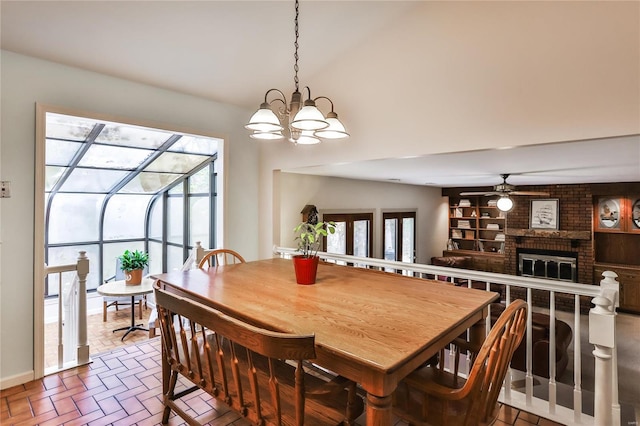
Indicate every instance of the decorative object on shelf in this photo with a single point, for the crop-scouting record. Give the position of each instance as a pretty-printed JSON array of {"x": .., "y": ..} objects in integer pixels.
[
  {"x": 309, "y": 238},
  {"x": 449, "y": 244},
  {"x": 464, "y": 203},
  {"x": 133, "y": 263},
  {"x": 500, "y": 237},
  {"x": 635, "y": 213},
  {"x": 492, "y": 203},
  {"x": 473, "y": 214},
  {"x": 485, "y": 214},
  {"x": 457, "y": 212},
  {"x": 493, "y": 226},
  {"x": 464, "y": 224},
  {"x": 609, "y": 213},
  {"x": 544, "y": 214},
  {"x": 456, "y": 233},
  {"x": 303, "y": 123}
]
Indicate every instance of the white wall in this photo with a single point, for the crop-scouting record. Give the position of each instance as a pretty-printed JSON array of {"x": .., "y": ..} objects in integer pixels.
[
  {"x": 25, "y": 81},
  {"x": 333, "y": 195}
]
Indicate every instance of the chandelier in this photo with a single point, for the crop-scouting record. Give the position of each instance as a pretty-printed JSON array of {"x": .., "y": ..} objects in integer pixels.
[{"x": 301, "y": 123}]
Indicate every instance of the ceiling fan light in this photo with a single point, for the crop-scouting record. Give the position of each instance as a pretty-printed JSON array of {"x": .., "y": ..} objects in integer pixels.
[
  {"x": 504, "y": 204},
  {"x": 264, "y": 120}
]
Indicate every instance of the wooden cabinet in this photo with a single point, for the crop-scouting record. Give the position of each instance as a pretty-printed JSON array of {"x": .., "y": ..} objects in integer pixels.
[
  {"x": 616, "y": 226},
  {"x": 629, "y": 279},
  {"x": 617, "y": 214},
  {"x": 476, "y": 224}
]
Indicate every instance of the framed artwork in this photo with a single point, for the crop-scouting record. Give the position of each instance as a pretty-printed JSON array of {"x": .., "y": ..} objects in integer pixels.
[
  {"x": 544, "y": 214},
  {"x": 609, "y": 213}
]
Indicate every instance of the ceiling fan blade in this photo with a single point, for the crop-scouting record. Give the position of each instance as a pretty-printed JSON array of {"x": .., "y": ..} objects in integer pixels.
[
  {"x": 546, "y": 194},
  {"x": 485, "y": 193}
]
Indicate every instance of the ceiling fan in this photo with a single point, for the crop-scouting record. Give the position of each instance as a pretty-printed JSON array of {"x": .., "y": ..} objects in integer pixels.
[{"x": 504, "y": 190}]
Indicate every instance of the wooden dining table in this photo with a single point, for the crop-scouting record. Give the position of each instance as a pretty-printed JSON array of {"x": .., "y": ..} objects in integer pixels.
[{"x": 372, "y": 327}]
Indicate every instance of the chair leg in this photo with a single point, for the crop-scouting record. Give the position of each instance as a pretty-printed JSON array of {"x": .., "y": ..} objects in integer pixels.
[
  {"x": 104, "y": 311},
  {"x": 169, "y": 396},
  {"x": 140, "y": 307}
]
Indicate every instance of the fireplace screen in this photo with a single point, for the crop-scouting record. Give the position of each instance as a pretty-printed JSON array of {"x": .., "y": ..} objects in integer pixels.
[{"x": 536, "y": 265}]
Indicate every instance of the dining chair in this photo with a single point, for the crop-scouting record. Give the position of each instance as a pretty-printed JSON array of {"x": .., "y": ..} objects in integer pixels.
[
  {"x": 220, "y": 257},
  {"x": 256, "y": 372},
  {"x": 433, "y": 396},
  {"x": 108, "y": 301}
]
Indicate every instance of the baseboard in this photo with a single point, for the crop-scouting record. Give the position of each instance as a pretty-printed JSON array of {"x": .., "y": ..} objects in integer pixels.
[{"x": 18, "y": 379}]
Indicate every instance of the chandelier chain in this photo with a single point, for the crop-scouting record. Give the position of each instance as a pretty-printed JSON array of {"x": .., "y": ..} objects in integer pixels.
[{"x": 295, "y": 44}]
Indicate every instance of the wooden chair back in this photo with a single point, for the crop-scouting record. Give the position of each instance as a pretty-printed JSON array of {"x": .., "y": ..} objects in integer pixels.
[
  {"x": 241, "y": 365},
  {"x": 474, "y": 401},
  {"x": 220, "y": 257}
]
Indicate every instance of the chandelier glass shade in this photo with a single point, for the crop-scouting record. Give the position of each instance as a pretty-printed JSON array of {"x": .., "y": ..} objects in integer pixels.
[{"x": 301, "y": 123}]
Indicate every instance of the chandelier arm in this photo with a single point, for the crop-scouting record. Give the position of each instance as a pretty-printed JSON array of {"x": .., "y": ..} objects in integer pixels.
[
  {"x": 324, "y": 97},
  {"x": 284, "y": 98}
]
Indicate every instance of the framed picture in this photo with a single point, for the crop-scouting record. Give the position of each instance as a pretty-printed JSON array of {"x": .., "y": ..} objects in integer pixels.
[{"x": 544, "y": 214}]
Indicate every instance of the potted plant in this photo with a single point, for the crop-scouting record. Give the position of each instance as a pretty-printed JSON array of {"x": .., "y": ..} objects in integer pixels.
[
  {"x": 309, "y": 236},
  {"x": 133, "y": 263}
]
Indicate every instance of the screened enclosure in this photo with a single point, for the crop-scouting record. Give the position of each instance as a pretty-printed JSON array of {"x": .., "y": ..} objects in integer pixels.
[{"x": 112, "y": 187}]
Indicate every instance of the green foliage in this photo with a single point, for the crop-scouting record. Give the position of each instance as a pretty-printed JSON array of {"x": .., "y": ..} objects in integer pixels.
[
  {"x": 131, "y": 260},
  {"x": 310, "y": 236}
]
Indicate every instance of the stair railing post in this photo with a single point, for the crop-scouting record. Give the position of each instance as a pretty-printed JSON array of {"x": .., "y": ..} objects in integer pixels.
[
  {"x": 602, "y": 331},
  {"x": 83, "y": 343}
]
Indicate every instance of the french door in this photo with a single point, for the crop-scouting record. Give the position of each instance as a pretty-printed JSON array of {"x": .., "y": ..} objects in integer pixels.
[
  {"x": 400, "y": 236},
  {"x": 352, "y": 236}
]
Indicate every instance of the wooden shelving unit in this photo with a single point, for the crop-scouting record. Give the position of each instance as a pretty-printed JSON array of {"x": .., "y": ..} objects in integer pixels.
[{"x": 476, "y": 225}]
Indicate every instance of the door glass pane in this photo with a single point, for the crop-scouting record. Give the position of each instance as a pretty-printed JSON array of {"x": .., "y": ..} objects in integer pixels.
[
  {"x": 337, "y": 242},
  {"x": 408, "y": 233},
  {"x": 390, "y": 239},
  {"x": 199, "y": 221},
  {"x": 361, "y": 238},
  {"x": 124, "y": 217},
  {"x": 175, "y": 258},
  {"x": 199, "y": 182},
  {"x": 74, "y": 217},
  {"x": 155, "y": 258},
  {"x": 175, "y": 212},
  {"x": 155, "y": 219}
]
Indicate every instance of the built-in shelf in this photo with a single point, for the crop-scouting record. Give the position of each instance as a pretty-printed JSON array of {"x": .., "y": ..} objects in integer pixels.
[{"x": 549, "y": 233}]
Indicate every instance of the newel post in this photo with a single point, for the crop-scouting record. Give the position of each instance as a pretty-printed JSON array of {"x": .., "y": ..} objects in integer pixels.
[
  {"x": 602, "y": 334},
  {"x": 83, "y": 344}
]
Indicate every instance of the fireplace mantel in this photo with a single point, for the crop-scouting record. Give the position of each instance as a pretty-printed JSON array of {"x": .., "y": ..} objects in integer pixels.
[{"x": 549, "y": 233}]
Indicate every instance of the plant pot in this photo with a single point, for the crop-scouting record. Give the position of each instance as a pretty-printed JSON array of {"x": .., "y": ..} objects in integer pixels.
[
  {"x": 133, "y": 277},
  {"x": 306, "y": 268}
]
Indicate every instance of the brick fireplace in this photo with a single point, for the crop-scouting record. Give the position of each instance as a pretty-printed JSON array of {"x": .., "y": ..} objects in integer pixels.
[{"x": 574, "y": 234}]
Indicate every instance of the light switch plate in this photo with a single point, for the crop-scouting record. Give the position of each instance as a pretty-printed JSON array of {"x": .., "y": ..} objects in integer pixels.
[{"x": 5, "y": 189}]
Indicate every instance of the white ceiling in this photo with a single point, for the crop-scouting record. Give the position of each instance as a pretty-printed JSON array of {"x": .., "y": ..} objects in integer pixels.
[{"x": 232, "y": 51}]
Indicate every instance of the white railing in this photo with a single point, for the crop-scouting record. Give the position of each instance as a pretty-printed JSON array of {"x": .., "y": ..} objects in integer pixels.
[
  {"x": 72, "y": 314},
  {"x": 601, "y": 328}
]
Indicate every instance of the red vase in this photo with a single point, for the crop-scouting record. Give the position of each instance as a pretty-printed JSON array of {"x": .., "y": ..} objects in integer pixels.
[{"x": 306, "y": 268}]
